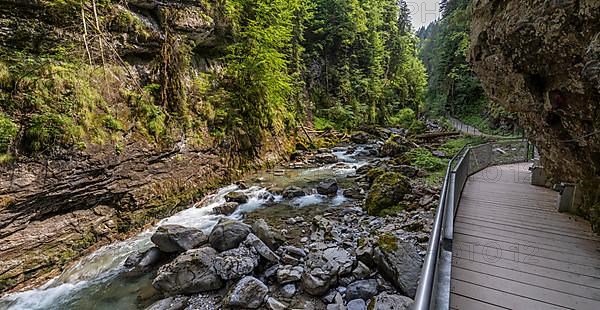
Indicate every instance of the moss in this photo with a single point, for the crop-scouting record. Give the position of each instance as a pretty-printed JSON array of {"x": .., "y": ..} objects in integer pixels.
[
  {"x": 8, "y": 133},
  {"x": 373, "y": 174},
  {"x": 47, "y": 131},
  {"x": 112, "y": 123},
  {"x": 388, "y": 242},
  {"x": 126, "y": 21},
  {"x": 387, "y": 192},
  {"x": 395, "y": 210},
  {"x": 394, "y": 146}
]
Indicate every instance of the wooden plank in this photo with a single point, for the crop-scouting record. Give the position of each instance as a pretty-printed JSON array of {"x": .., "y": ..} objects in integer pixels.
[
  {"x": 535, "y": 234},
  {"x": 497, "y": 298},
  {"x": 525, "y": 290},
  {"x": 460, "y": 302},
  {"x": 526, "y": 240},
  {"x": 529, "y": 278},
  {"x": 494, "y": 247}
]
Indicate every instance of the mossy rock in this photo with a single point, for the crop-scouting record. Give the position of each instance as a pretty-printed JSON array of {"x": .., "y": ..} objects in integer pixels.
[
  {"x": 395, "y": 146},
  {"x": 373, "y": 174},
  {"x": 388, "y": 242},
  {"x": 387, "y": 192}
]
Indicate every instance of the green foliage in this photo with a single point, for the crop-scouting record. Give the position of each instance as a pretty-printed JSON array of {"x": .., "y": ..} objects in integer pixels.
[
  {"x": 452, "y": 147},
  {"x": 47, "y": 131},
  {"x": 8, "y": 133},
  {"x": 323, "y": 123},
  {"x": 424, "y": 159},
  {"x": 151, "y": 118}
]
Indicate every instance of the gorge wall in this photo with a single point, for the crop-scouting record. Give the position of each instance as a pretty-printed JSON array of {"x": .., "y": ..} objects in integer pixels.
[
  {"x": 541, "y": 60},
  {"x": 97, "y": 148}
]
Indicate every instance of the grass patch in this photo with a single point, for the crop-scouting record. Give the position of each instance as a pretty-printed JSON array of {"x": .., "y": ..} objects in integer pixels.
[
  {"x": 452, "y": 147},
  {"x": 424, "y": 159}
]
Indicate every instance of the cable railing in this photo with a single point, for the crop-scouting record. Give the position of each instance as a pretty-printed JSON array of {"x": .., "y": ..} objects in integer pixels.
[{"x": 433, "y": 291}]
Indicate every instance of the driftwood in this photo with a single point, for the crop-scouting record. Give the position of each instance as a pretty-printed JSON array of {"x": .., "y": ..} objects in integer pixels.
[{"x": 436, "y": 135}]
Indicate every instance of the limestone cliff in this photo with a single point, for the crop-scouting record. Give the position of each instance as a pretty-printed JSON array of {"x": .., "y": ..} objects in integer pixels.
[{"x": 541, "y": 60}]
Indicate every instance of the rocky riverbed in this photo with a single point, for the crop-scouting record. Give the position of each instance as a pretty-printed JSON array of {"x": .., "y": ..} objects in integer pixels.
[{"x": 342, "y": 228}]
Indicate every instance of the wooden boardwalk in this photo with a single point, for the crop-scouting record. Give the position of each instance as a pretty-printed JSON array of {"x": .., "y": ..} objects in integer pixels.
[{"x": 513, "y": 250}]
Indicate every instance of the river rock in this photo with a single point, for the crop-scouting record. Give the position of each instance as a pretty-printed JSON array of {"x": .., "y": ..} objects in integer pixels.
[
  {"x": 228, "y": 234},
  {"x": 388, "y": 191},
  {"x": 177, "y": 238},
  {"x": 400, "y": 263},
  {"x": 275, "y": 304},
  {"x": 261, "y": 248},
  {"x": 396, "y": 145},
  {"x": 386, "y": 301},
  {"x": 293, "y": 192},
  {"x": 360, "y": 137},
  {"x": 190, "y": 272},
  {"x": 361, "y": 271},
  {"x": 356, "y": 304},
  {"x": 133, "y": 259},
  {"x": 235, "y": 263},
  {"x": 364, "y": 289},
  {"x": 226, "y": 209},
  {"x": 288, "y": 290},
  {"x": 323, "y": 268},
  {"x": 236, "y": 196},
  {"x": 328, "y": 187},
  {"x": 262, "y": 230},
  {"x": 317, "y": 281},
  {"x": 248, "y": 292},
  {"x": 287, "y": 274},
  {"x": 151, "y": 259},
  {"x": 354, "y": 193},
  {"x": 326, "y": 158},
  {"x": 170, "y": 303}
]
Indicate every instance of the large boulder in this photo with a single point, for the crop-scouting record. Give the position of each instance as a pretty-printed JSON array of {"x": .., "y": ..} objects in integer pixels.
[
  {"x": 360, "y": 137},
  {"x": 177, "y": 238},
  {"x": 387, "y": 192},
  {"x": 248, "y": 293},
  {"x": 191, "y": 272},
  {"x": 262, "y": 230},
  {"x": 170, "y": 303},
  {"x": 228, "y": 234},
  {"x": 399, "y": 262},
  {"x": 386, "y": 301},
  {"x": 326, "y": 158},
  {"x": 293, "y": 192},
  {"x": 261, "y": 248},
  {"x": 396, "y": 145},
  {"x": 364, "y": 289},
  {"x": 323, "y": 267},
  {"x": 237, "y": 196},
  {"x": 328, "y": 187},
  {"x": 235, "y": 263},
  {"x": 226, "y": 209}
]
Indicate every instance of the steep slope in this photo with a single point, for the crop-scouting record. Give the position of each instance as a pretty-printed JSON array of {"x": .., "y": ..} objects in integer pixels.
[{"x": 541, "y": 60}]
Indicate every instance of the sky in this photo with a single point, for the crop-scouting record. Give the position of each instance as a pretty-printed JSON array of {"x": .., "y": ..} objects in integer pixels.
[{"x": 423, "y": 12}]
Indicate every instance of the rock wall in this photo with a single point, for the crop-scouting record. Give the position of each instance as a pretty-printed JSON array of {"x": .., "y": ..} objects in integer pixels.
[
  {"x": 541, "y": 60},
  {"x": 55, "y": 206}
]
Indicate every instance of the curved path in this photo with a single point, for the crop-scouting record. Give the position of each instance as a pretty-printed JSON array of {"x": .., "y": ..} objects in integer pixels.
[{"x": 513, "y": 250}]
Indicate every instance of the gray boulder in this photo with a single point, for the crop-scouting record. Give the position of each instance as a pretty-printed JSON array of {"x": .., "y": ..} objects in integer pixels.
[
  {"x": 317, "y": 281},
  {"x": 151, "y": 259},
  {"x": 170, "y": 303},
  {"x": 177, "y": 238},
  {"x": 228, "y": 234},
  {"x": 238, "y": 197},
  {"x": 364, "y": 289},
  {"x": 235, "y": 263},
  {"x": 262, "y": 230},
  {"x": 191, "y": 272},
  {"x": 288, "y": 274},
  {"x": 293, "y": 192},
  {"x": 328, "y": 187},
  {"x": 323, "y": 268},
  {"x": 385, "y": 301},
  {"x": 356, "y": 304},
  {"x": 400, "y": 263},
  {"x": 249, "y": 292},
  {"x": 261, "y": 248},
  {"x": 326, "y": 158},
  {"x": 226, "y": 209}
]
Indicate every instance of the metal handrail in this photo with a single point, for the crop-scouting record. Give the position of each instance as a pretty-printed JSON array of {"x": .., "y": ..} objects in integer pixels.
[{"x": 443, "y": 224}]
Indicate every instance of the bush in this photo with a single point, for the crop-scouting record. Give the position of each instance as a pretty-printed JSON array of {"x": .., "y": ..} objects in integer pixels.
[
  {"x": 404, "y": 118},
  {"x": 8, "y": 133},
  {"x": 424, "y": 159},
  {"x": 48, "y": 130}
]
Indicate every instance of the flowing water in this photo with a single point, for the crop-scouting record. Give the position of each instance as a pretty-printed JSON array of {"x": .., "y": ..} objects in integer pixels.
[{"x": 100, "y": 281}]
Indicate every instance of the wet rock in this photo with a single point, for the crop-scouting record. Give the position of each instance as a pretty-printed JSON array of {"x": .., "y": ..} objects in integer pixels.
[
  {"x": 361, "y": 271},
  {"x": 151, "y": 259},
  {"x": 293, "y": 192},
  {"x": 170, "y": 303},
  {"x": 328, "y": 187},
  {"x": 288, "y": 290},
  {"x": 386, "y": 301},
  {"x": 326, "y": 158},
  {"x": 249, "y": 292},
  {"x": 400, "y": 263},
  {"x": 235, "y": 263},
  {"x": 288, "y": 274},
  {"x": 354, "y": 193},
  {"x": 177, "y": 238},
  {"x": 228, "y": 234},
  {"x": 364, "y": 289},
  {"x": 356, "y": 304},
  {"x": 236, "y": 196},
  {"x": 360, "y": 137},
  {"x": 190, "y": 272},
  {"x": 261, "y": 248},
  {"x": 275, "y": 304},
  {"x": 133, "y": 259},
  {"x": 262, "y": 230},
  {"x": 226, "y": 209},
  {"x": 387, "y": 192}
]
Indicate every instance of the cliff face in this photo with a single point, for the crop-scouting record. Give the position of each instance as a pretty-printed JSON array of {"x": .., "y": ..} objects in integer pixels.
[
  {"x": 541, "y": 60},
  {"x": 130, "y": 165}
]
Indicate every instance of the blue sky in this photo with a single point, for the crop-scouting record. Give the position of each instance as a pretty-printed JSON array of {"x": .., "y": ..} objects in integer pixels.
[{"x": 423, "y": 12}]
